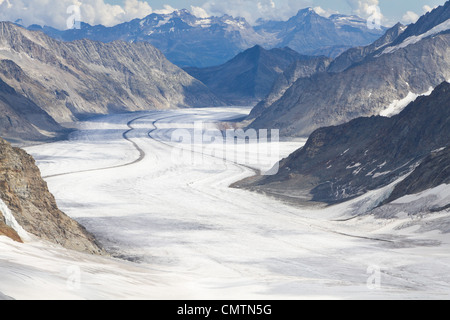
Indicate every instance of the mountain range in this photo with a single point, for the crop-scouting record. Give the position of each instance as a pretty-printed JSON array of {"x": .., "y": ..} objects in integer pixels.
[
  {"x": 191, "y": 41},
  {"x": 342, "y": 162},
  {"x": 72, "y": 80},
  {"x": 381, "y": 78},
  {"x": 249, "y": 77}
]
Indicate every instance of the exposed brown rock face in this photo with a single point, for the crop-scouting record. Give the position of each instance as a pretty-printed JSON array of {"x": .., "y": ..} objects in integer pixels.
[
  {"x": 8, "y": 231},
  {"x": 27, "y": 196}
]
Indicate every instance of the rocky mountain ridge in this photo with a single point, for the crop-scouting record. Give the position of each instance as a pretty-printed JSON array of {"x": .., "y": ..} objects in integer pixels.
[
  {"x": 342, "y": 162},
  {"x": 366, "y": 81}
]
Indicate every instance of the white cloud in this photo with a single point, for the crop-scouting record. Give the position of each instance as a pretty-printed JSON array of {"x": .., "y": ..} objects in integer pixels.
[
  {"x": 136, "y": 9},
  {"x": 370, "y": 10},
  {"x": 54, "y": 12},
  {"x": 252, "y": 10},
  {"x": 166, "y": 10},
  {"x": 366, "y": 8},
  {"x": 199, "y": 12},
  {"x": 427, "y": 8},
  {"x": 324, "y": 12},
  {"x": 410, "y": 17}
]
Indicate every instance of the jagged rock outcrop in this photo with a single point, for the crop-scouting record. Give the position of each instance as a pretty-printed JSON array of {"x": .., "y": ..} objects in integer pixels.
[
  {"x": 71, "y": 80},
  {"x": 404, "y": 67},
  {"x": 342, "y": 162},
  {"x": 249, "y": 76},
  {"x": 34, "y": 208}
]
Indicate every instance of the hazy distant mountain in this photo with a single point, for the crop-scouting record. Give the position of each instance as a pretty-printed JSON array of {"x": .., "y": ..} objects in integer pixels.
[
  {"x": 312, "y": 34},
  {"x": 190, "y": 41},
  {"x": 342, "y": 162},
  {"x": 69, "y": 80},
  {"x": 380, "y": 81},
  {"x": 249, "y": 76}
]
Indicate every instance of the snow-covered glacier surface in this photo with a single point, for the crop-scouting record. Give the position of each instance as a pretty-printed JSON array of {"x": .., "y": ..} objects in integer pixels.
[{"x": 177, "y": 231}]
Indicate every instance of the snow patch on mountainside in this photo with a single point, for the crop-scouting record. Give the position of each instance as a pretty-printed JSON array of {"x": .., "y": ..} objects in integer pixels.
[
  {"x": 414, "y": 39},
  {"x": 440, "y": 195},
  {"x": 11, "y": 221},
  {"x": 397, "y": 106}
]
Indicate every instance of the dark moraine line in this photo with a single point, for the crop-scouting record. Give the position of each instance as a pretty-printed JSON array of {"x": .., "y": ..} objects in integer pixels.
[
  {"x": 125, "y": 136},
  {"x": 149, "y": 134}
]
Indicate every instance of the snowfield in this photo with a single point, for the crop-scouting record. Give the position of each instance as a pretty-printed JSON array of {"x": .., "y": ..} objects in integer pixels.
[{"x": 177, "y": 231}]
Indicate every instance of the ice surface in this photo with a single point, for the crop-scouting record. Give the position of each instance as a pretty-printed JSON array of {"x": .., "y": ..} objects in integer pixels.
[{"x": 186, "y": 235}]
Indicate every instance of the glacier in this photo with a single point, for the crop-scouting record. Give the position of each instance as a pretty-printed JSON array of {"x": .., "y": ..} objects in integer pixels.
[{"x": 177, "y": 231}]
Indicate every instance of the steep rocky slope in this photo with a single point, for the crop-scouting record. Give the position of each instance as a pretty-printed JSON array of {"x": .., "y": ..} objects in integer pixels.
[
  {"x": 303, "y": 68},
  {"x": 70, "y": 80},
  {"x": 22, "y": 119},
  {"x": 342, "y": 162},
  {"x": 249, "y": 76},
  {"x": 432, "y": 172},
  {"x": 381, "y": 80},
  {"x": 358, "y": 54},
  {"x": 33, "y": 206}
]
